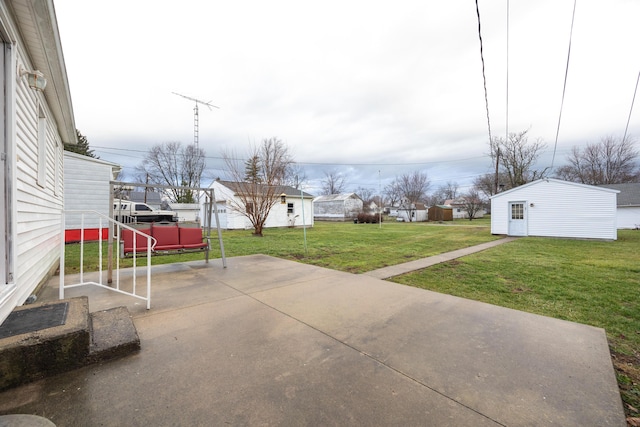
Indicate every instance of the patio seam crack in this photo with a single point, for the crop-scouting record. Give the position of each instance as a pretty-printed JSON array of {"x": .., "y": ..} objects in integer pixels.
[{"x": 398, "y": 371}]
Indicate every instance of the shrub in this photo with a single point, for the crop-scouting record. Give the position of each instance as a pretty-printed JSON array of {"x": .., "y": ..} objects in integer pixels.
[{"x": 368, "y": 218}]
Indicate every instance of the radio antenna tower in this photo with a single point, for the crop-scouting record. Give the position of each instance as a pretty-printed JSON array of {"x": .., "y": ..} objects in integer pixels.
[{"x": 195, "y": 114}]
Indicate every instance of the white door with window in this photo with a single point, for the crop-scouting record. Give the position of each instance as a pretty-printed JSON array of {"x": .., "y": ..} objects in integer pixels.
[{"x": 517, "y": 218}]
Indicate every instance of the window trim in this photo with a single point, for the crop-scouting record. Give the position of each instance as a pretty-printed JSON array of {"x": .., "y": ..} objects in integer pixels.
[{"x": 42, "y": 148}]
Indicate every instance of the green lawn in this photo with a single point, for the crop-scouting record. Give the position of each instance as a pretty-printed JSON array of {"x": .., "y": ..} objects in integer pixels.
[
  {"x": 591, "y": 282},
  {"x": 357, "y": 248},
  {"x": 347, "y": 246}
]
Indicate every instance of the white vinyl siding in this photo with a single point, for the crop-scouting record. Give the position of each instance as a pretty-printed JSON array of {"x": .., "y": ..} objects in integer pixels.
[
  {"x": 558, "y": 208},
  {"x": 278, "y": 216},
  {"x": 34, "y": 129},
  {"x": 628, "y": 217},
  {"x": 38, "y": 203},
  {"x": 337, "y": 207},
  {"x": 86, "y": 187}
]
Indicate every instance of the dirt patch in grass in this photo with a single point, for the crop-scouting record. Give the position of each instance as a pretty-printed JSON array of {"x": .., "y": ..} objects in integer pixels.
[{"x": 627, "y": 369}]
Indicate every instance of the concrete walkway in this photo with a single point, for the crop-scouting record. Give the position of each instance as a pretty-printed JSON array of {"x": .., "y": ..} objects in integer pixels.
[
  {"x": 274, "y": 342},
  {"x": 396, "y": 270}
]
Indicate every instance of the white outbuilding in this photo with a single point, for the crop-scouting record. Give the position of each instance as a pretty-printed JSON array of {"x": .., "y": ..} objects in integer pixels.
[
  {"x": 555, "y": 208},
  {"x": 86, "y": 187},
  {"x": 628, "y": 204}
]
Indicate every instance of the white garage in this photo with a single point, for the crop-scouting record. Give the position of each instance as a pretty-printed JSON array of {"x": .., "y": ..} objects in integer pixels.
[
  {"x": 628, "y": 204},
  {"x": 555, "y": 208}
]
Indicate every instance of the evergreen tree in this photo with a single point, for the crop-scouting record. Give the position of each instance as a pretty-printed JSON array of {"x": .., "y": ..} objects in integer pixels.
[
  {"x": 82, "y": 147},
  {"x": 252, "y": 170}
]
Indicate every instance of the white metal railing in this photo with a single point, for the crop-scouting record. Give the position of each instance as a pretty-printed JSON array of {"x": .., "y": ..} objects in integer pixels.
[{"x": 118, "y": 227}]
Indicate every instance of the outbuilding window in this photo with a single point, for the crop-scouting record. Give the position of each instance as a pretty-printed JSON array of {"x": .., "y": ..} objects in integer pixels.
[
  {"x": 290, "y": 208},
  {"x": 517, "y": 211}
]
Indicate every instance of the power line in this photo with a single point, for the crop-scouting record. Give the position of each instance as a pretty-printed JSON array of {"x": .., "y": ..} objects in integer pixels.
[
  {"x": 631, "y": 109},
  {"x": 506, "y": 120},
  {"x": 484, "y": 77},
  {"x": 130, "y": 150},
  {"x": 564, "y": 87}
]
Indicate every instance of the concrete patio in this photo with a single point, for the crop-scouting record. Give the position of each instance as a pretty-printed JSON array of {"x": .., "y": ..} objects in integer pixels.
[{"x": 274, "y": 342}]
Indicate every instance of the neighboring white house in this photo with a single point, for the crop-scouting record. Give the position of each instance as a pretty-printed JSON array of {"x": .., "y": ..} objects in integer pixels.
[
  {"x": 86, "y": 187},
  {"x": 554, "y": 208},
  {"x": 412, "y": 212},
  {"x": 187, "y": 212},
  {"x": 628, "y": 201},
  {"x": 287, "y": 212},
  {"x": 459, "y": 209},
  {"x": 36, "y": 124},
  {"x": 337, "y": 207}
]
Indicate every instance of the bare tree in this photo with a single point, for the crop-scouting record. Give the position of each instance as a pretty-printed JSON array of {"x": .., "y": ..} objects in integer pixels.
[
  {"x": 516, "y": 157},
  {"x": 393, "y": 193},
  {"x": 486, "y": 184},
  {"x": 296, "y": 176},
  {"x": 473, "y": 203},
  {"x": 366, "y": 194},
  {"x": 257, "y": 195},
  {"x": 610, "y": 161},
  {"x": 413, "y": 187},
  {"x": 173, "y": 164},
  {"x": 333, "y": 182},
  {"x": 445, "y": 192}
]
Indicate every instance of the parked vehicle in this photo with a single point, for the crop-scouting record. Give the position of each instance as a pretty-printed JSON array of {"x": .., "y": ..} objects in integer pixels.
[{"x": 127, "y": 211}]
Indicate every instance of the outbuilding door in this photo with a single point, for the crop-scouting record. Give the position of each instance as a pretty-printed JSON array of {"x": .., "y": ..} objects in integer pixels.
[{"x": 517, "y": 219}]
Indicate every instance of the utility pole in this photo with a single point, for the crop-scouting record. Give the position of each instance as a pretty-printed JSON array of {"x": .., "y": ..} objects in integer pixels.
[{"x": 497, "y": 164}]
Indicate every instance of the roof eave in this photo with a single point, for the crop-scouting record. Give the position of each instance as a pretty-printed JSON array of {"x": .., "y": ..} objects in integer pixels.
[{"x": 41, "y": 37}]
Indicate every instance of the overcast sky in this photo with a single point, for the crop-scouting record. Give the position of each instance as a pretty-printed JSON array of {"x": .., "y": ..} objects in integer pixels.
[{"x": 353, "y": 86}]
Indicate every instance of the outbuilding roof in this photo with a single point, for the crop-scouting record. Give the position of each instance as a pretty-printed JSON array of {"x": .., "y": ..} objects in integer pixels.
[
  {"x": 335, "y": 197},
  {"x": 39, "y": 29},
  {"x": 289, "y": 191},
  {"x": 559, "y": 181},
  {"x": 629, "y": 193}
]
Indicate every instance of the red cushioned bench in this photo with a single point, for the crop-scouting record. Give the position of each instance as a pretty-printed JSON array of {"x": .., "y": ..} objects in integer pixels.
[{"x": 169, "y": 239}]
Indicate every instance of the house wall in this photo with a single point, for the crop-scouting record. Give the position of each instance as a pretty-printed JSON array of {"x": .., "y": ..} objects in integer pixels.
[
  {"x": 38, "y": 207},
  {"x": 342, "y": 208},
  {"x": 461, "y": 213},
  {"x": 628, "y": 217},
  {"x": 222, "y": 215},
  {"x": 418, "y": 215},
  {"x": 458, "y": 212},
  {"x": 278, "y": 216},
  {"x": 86, "y": 187},
  {"x": 35, "y": 126},
  {"x": 188, "y": 212},
  {"x": 330, "y": 210},
  {"x": 230, "y": 217},
  {"x": 352, "y": 207},
  {"x": 437, "y": 213},
  {"x": 557, "y": 208}
]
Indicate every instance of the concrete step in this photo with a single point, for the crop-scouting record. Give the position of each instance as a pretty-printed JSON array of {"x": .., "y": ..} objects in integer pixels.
[
  {"x": 113, "y": 335},
  {"x": 41, "y": 340}
]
